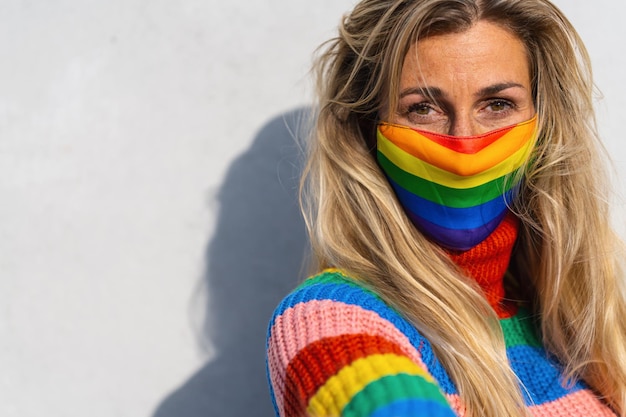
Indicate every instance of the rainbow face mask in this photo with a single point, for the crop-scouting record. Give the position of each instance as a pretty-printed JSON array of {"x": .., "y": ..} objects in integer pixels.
[{"x": 455, "y": 189}]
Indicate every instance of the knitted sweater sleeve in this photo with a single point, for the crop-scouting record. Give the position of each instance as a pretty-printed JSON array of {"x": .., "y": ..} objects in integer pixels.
[{"x": 335, "y": 349}]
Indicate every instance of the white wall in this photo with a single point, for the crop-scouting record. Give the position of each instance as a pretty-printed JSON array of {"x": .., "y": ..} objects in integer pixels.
[{"x": 147, "y": 176}]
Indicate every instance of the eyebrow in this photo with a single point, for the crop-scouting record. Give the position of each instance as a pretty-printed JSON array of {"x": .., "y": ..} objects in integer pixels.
[
  {"x": 496, "y": 88},
  {"x": 436, "y": 92}
]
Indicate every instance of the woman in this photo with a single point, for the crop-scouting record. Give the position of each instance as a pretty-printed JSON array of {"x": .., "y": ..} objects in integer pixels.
[{"x": 457, "y": 211}]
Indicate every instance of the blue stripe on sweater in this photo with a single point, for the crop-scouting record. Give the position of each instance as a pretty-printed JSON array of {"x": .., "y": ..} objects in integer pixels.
[
  {"x": 541, "y": 376},
  {"x": 412, "y": 406}
]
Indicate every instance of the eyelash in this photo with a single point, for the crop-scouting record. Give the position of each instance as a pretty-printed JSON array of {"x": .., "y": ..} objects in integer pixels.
[
  {"x": 413, "y": 108},
  {"x": 501, "y": 101}
]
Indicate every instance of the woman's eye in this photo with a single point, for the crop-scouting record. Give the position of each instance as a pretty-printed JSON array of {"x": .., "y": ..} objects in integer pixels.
[
  {"x": 499, "y": 105},
  {"x": 422, "y": 113},
  {"x": 421, "y": 109}
]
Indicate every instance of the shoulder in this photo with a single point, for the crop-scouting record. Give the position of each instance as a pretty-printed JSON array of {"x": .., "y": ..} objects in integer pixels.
[
  {"x": 336, "y": 299},
  {"x": 332, "y": 329},
  {"x": 331, "y": 288}
]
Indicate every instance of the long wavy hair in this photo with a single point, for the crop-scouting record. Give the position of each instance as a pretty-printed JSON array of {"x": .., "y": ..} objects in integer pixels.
[{"x": 567, "y": 255}]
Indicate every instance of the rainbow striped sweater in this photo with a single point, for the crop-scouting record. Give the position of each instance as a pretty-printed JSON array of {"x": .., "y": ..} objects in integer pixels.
[{"x": 335, "y": 348}]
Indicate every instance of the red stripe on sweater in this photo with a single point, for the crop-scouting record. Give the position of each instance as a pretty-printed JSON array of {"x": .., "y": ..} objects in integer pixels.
[{"x": 315, "y": 364}]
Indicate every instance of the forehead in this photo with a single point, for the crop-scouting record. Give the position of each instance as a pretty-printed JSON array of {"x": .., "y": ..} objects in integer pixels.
[{"x": 484, "y": 54}]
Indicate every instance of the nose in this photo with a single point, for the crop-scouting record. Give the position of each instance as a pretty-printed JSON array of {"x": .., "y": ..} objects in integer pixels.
[{"x": 463, "y": 126}]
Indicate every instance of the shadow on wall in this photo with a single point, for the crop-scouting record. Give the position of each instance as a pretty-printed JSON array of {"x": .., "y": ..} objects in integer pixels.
[{"x": 253, "y": 260}]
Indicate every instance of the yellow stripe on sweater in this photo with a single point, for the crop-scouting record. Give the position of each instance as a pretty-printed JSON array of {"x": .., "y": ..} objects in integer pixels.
[{"x": 331, "y": 398}]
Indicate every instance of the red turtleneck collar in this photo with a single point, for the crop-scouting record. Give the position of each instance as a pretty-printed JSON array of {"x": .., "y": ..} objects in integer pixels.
[{"x": 488, "y": 261}]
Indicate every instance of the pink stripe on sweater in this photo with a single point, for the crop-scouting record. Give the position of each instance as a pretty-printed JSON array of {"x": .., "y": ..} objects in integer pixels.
[
  {"x": 579, "y": 404},
  {"x": 308, "y": 322},
  {"x": 456, "y": 404}
]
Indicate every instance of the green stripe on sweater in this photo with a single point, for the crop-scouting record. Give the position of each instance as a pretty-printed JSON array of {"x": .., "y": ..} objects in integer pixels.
[
  {"x": 519, "y": 330},
  {"x": 389, "y": 389}
]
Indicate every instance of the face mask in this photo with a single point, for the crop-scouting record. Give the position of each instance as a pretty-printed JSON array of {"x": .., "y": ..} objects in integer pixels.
[{"x": 456, "y": 190}]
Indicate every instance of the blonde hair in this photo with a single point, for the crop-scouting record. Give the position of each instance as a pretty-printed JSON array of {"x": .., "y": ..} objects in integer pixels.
[{"x": 567, "y": 254}]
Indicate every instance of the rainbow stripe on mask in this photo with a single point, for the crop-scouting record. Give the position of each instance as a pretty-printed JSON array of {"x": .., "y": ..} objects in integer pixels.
[{"x": 456, "y": 190}]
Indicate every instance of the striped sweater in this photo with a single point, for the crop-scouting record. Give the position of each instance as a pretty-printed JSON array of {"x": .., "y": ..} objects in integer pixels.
[{"x": 335, "y": 348}]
